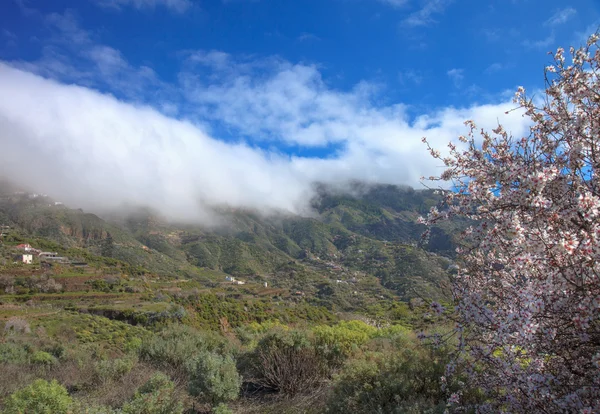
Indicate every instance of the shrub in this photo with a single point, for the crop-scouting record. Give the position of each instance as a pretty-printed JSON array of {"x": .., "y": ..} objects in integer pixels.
[
  {"x": 358, "y": 326},
  {"x": 133, "y": 345},
  {"x": 249, "y": 334},
  {"x": 114, "y": 369},
  {"x": 156, "y": 396},
  {"x": 215, "y": 378},
  {"x": 222, "y": 409},
  {"x": 16, "y": 325},
  {"x": 156, "y": 382},
  {"x": 13, "y": 353},
  {"x": 48, "y": 285},
  {"x": 43, "y": 358},
  {"x": 258, "y": 328},
  {"x": 392, "y": 332},
  {"x": 337, "y": 343},
  {"x": 287, "y": 362},
  {"x": 177, "y": 345},
  {"x": 56, "y": 349},
  {"x": 409, "y": 381},
  {"x": 41, "y": 397}
]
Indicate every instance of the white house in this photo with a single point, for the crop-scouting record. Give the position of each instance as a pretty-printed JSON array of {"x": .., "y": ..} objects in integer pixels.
[
  {"x": 230, "y": 279},
  {"x": 27, "y": 258}
]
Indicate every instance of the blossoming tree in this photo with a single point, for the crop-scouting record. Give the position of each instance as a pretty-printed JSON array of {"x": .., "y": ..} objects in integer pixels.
[{"x": 527, "y": 290}]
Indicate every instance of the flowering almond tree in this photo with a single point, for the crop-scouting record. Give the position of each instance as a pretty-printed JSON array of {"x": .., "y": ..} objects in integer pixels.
[{"x": 527, "y": 290}]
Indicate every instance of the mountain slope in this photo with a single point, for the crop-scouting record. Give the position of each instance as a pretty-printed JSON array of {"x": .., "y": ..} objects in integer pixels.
[{"x": 371, "y": 235}]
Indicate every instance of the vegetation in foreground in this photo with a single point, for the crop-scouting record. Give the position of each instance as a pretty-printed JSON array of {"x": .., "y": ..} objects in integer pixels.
[
  {"x": 90, "y": 364},
  {"x": 296, "y": 315}
]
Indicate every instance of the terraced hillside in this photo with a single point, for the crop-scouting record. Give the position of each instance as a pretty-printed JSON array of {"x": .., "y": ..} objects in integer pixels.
[
  {"x": 113, "y": 286},
  {"x": 358, "y": 252}
]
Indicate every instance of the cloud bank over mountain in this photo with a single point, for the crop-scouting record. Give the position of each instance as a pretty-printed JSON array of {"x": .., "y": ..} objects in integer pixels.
[{"x": 92, "y": 150}]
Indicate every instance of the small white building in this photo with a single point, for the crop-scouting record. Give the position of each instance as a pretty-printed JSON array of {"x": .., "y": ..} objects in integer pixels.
[
  {"x": 266, "y": 284},
  {"x": 27, "y": 258},
  {"x": 239, "y": 282},
  {"x": 48, "y": 254},
  {"x": 230, "y": 279}
]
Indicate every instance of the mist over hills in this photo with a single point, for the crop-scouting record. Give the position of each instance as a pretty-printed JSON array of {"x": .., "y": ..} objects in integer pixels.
[{"x": 361, "y": 231}]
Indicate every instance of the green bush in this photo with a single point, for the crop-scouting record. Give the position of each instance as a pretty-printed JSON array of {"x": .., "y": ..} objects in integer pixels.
[
  {"x": 179, "y": 344},
  {"x": 259, "y": 328},
  {"x": 215, "y": 378},
  {"x": 56, "y": 349},
  {"x": 337, "y": 343},
  {"x": 392, "y": 332},
  {"x": 358, "y": 326},
  {"x": 43, "y": 358},
  {"x": 133, "y": 345},
  {"x": 114, "y": 369},
  {"x": 13, "y": 353},
  {"x": 158, "y": 402},
  {"x": 222, "y": 409},
  {"x": 250, "y": 333},
  {"x": 156, "y": 382},
  {"x": 408, "y": 381},
  {"x": 41, "y": 397},
  {"x": 156, "y": 396}
]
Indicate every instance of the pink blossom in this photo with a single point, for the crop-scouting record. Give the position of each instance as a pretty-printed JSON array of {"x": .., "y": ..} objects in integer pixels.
[
  {"x": 527, "y": 294},
  {"x": 454, "y": 398}
]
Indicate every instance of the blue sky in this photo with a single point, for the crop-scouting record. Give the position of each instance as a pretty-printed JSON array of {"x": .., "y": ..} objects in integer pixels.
[
  {"x": 325, "y": 90},
  {"x": 426, "y": 53}
]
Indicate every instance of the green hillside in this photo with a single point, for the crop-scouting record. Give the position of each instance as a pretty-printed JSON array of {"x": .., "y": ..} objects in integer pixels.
[
  {"x": 115, "y": 298},
  {"x": 371, "y": 235}
]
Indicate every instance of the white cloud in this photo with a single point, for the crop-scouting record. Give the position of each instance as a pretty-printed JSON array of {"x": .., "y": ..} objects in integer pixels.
[
  {"x": 214, "y": 58},
  {"x": 394, "y": 3},
  {"x": 494, "y": 67},
  {"x": 10, "y": 39},
  {"x": 108, "y": 59},
  {"x": 23, "y": 5},
  {"x": 540, "y": 44},
  {"x": 8, "y": 34},
  {"x": 67, "y": 29},
  {"x": 278, "y": 102},
  {"x": 560, "y": 17},
  {"x": 178, "y": 6},
  {"x": 304, "y": 37},
  {"x": 498, "y": 67},
  {"x": 424, "y": 16},
  {"x": 582, "y": 36},
  {"x": 410, "y": 76},
  {"x": 456, "y": 76},
  {"x": 71, "y": 53},
  {"x": 94, "y": 151}
]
